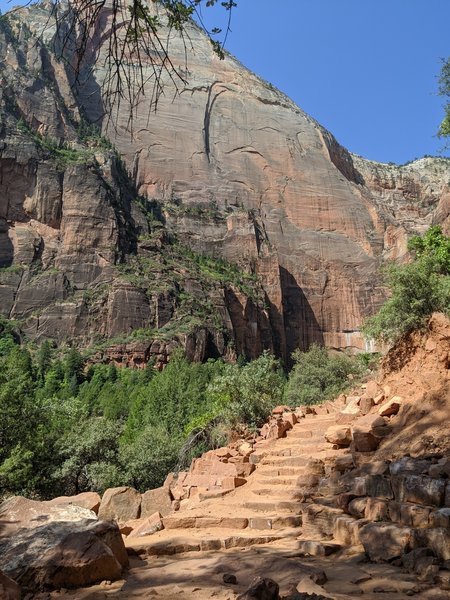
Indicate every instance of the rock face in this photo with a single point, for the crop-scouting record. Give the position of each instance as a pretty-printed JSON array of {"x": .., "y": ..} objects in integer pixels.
[
  {"x": 236, "y": 171},
  {"x": 44, "y": 546}
]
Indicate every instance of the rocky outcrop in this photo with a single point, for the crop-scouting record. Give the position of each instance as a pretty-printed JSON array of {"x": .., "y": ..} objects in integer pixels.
[
  {"x": 44, "y": 545},
  {"x": 234, "y": 170}
]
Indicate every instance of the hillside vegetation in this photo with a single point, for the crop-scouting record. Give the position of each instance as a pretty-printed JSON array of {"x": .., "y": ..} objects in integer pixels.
[{"x": 69, "y": 426}]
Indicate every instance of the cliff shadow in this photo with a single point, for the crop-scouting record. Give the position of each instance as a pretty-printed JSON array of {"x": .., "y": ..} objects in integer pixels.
[
  {"x": 300, "y": 324},
  {"x": 251, "y": 326},
  {"x": 6, "y": 246}
]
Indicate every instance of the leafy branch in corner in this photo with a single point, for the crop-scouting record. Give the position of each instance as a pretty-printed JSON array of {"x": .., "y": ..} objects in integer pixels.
[{"x": 137, "y": 58}]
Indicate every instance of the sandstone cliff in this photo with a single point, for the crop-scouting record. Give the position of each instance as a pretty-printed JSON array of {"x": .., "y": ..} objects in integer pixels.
[{"x": 231, "y": 168}]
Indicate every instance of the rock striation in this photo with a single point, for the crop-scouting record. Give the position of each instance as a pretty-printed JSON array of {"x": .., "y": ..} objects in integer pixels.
[{"x": 231, "y": 168}]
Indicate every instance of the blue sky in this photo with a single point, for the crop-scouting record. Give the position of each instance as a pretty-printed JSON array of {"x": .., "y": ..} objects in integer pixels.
[{"x": 366, "y": 69}]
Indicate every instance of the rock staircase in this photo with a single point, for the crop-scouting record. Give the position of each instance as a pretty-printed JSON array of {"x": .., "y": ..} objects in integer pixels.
[
  {"x": 268, "y": 508},
  {"x": 314, "y": 498}
]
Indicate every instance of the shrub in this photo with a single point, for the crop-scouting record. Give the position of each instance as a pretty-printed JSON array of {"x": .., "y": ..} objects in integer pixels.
[
  {"x": 318, "y": 375},
  {"x": 245, "y": 395},
  {"x": 418, "y": 288}
]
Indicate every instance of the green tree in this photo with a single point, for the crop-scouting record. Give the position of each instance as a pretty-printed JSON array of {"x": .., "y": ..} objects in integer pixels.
[
  {"x": 318, "y": 375},
  {"x": 89, "y": 456},
  {"x": 245, "y": 395},
  {"x": 146, "y": 461},
  {"x": 418, "y": 288}
]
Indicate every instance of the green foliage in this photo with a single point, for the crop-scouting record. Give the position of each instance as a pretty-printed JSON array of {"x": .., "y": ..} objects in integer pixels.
[
  {"x": 318, "y": 375},
  {"x": 444, "y": 90},
  {"x": 418, "y": 288},
  {"x": 433, "y": 245},
  {"x": 63, "y": 154},
  {"x": 89, "y": 454},
  {"x": 247, "y": 394},
  {"x": 150, "y": 456}
]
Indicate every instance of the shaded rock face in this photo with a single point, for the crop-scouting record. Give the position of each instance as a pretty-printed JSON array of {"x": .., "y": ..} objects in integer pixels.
[{"x": 240, "y": 173}]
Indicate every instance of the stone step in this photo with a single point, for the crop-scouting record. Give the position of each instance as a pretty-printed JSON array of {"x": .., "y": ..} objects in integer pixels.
[
  {"x": 290, "y": 481},
  {"x": 273, "y": 505},
  {"x": 168, "y": 542},
  {"x": 286, "y": 461},
  {"x": 287, "y": 493},
  {"x": 290, "y": 449},
  {"x": 250, "y": 521},
  {"x": 306, "y": 434},
  {"x": 270, "y": 471}
]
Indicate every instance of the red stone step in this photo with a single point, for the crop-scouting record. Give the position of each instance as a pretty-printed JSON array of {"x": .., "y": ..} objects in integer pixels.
[
  {"x": 286, "y": 461},
  {"x": 273, "y": 505},
  {"x": 166, "y": 542},
  {"x": 271, "y": 471},
  {"x": 276, "y": 481}
]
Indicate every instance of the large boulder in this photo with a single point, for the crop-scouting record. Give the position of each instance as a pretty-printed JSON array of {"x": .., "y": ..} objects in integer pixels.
[
  {"x": 386, "y": 541},
  {"x": 45, "y": 546},
  {"x": 89, "y": 500},
  {"x": 339, "y": 434},
  {"x": 121, "y": 504},
  {"x": 157, "y": 500}
]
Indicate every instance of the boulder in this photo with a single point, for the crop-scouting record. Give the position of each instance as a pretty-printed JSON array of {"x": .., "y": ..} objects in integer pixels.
[
  {"x": 364, "y": 441},
  {"x": 357, "y": 507},
  {"x": 440, "y": 518},
  {"x": 339, "y": 435},
  {"x": 372, "y": 389},
  {"x": 147, "y": 526},
  {"x": 261, "y": 588},
  {"x": 366, "y": 433},
  {"x": 378, "y": 399},
  {"x": 89, "y": 500},
  {"x": 275, "y": 429},
  {"x": 409, "y": 466},
  {"x": 157, "y": 500},
  {"x": 45, "y": 546},
  {"x": 9, "y": 589},
  {"x": 441, "y": 468},
  {"x": 352, "y": 406},
  {"x": 341, "y": 464},
  {"x": 376, "y": 486},
  {"x": 410, "y": 560},
  {"x": 376, "y": 510},
  {"x": 290, "y": 417},
  {"x": 384, "y": 542},
  {"x": 437, "y": 539},
  {"x": 21, "y": 513},
  {"x": 366, "y": 404},
  {"x": 121, "y": 504},
  {"x": 316, "y": 548},
  {"x": 411, "y": 515},
  {"x": 391, "y": 407},
  {"x": 419, "y": 489}
]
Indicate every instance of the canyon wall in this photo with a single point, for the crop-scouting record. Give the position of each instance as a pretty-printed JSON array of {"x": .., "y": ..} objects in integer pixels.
[{"x": 235, "y": 170}]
